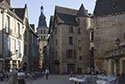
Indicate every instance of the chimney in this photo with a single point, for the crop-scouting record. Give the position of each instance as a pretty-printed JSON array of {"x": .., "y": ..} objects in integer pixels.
[{"x": 32, "y": 26}]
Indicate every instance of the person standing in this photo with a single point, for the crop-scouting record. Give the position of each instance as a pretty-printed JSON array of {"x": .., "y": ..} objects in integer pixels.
[
  {"x": 47, "y": 73},
  {"x": 12, "y": 77}
]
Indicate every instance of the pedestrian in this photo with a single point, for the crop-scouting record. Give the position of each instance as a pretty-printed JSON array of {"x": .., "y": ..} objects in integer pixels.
[
  {"x": 121, "y": 80},
  {"x": 12, "y": 77},
  {"x": 21, "y": 77},
  {"x": 47, "y": 73},
  {"x": 1, "y": 76}
]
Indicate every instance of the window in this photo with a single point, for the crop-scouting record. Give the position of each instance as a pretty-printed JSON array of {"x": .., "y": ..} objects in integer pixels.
[
  {"x": 92, "y": 36},
  {"x": 7, "y": 24},
  {"x": 9, "y": 44},
  {"x": 79, "y": 31},
  {"x": 80, "y": 57},
  {"x": 41, "y": 31},
  {"x": 70, "y": 29},
  {"x": 124, "y": 35},
  {"x": 74, "y": 53},
  {"x": 69, "y": 54},
  {"x": 115, "y": 5},
  {"x": 18, "y": 29},
  {"x": 56, "y": 30},
  {"x": 44, "y": 31},
  {"x": 70, "y": 40},
  {"x": 56, "y": 42},
  {"x": 44, "y": 37}
]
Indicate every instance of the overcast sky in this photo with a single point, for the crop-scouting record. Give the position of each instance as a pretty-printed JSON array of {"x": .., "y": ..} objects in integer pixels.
[{"x": 49, "y": 7}]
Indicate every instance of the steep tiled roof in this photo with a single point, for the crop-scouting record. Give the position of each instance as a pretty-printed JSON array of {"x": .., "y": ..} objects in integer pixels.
[
  {"x": 67, "y": 19},
  {"x": 82, "y": 12},
  {"x": 66, "y": 15},
  {"x": 42, "y": 19},
  {"x": 104, "y": 7},
  {"x": 66, "y": 10},
  {"x": 20, "y": 12}
]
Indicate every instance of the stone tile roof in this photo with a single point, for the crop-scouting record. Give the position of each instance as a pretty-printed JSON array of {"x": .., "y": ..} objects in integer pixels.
[
  {"x": 42, "y": 19},
  {"x": 104, "y": 7},
  {"x": 66, "y": 10},
  {"x": 67, "y": 19},
  {"x": 82, "y": 12},
  {"x": 66, "y": 15},
  {"x": 20, "y": 12}
]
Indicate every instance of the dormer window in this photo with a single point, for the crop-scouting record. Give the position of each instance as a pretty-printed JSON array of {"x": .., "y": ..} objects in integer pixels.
[{"x": 114, "y": 5}]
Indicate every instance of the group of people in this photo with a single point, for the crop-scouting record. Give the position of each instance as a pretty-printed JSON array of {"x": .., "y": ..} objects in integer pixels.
[
  {"x": 120, "y": 79},
  {"x": 3, "y": 75},
  {"x": 16, "y": 77}
]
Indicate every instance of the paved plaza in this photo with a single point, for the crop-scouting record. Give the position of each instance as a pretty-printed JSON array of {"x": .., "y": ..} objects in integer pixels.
[{"x": 53, "y": 79}]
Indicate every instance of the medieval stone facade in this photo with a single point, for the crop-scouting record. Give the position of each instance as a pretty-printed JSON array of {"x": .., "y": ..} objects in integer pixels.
[
  {"x": 108, "y": 27},
  {"x": 69, "y": 42},
  {"x": 14, "y": 37}
]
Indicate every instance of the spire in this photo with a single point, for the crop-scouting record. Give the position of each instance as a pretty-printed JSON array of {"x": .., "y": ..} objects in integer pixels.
[
  {"x": 82, "y": 12},
  {"x": 42, "y": 19}
]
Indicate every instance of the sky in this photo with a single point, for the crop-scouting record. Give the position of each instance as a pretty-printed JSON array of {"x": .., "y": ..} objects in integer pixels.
[{"x": 49, "y": 7}]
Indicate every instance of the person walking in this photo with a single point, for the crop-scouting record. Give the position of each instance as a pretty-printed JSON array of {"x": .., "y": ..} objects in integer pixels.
[
  {"x": 47, "y": 73},
  {"x": 12, "y": 77},
  {"x": 1, "y": 76},
  {"x": 21, "y": 77}
]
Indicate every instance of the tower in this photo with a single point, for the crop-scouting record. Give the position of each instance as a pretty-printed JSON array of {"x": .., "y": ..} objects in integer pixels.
[{"x": 42, "y": 31}]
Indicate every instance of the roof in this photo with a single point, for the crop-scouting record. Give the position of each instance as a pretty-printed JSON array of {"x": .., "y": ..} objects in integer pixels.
[
  {"x": 66, "y": 10},
  {"x": 66, "y": 15},
  {"x": 67, "y": 19},
  {"x": 20, "y": 12},
  {"x": 104, "y": 7},
  {"x": 82, "y": 12},
  {"x": 42, "y": 19}
]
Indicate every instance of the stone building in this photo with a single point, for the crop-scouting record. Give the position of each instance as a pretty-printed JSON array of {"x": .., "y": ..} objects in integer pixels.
[
  {"x": 13, "y": 26},
  {"x": 108, "y": 27},
  {"x": 42, "y": 31},
  {"x": 69, "y": 42}
]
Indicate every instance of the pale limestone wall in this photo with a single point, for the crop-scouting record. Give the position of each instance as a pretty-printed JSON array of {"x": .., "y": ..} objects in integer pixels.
[
  {"x": 13, "y": 36},
  {"x": 64, "y": 44},
  {"x": 107, "y": 30},
  {"x": 84, "y": 44},
  {"x": 62, "y": 37}
]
